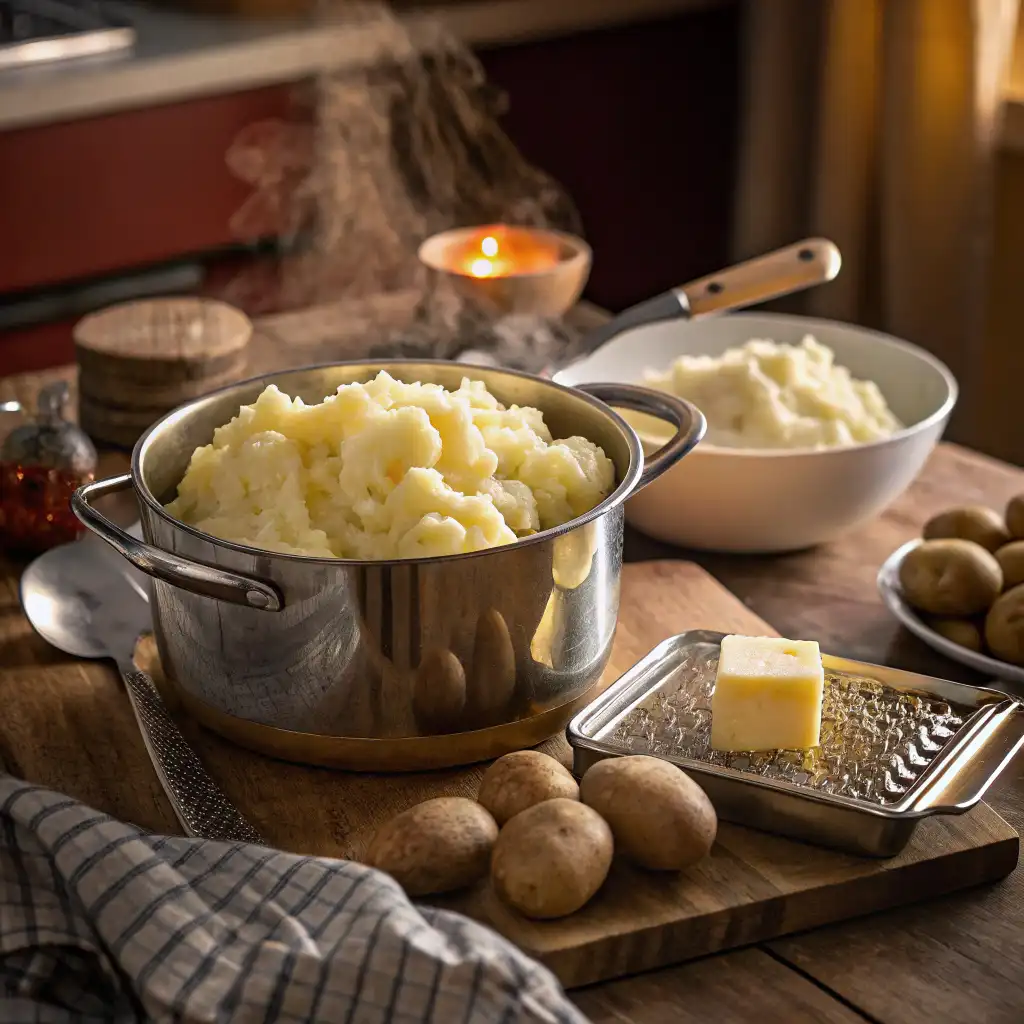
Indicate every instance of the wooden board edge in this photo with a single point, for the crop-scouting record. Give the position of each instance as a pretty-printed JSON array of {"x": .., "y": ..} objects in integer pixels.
[{"x": 672, "y": 943}]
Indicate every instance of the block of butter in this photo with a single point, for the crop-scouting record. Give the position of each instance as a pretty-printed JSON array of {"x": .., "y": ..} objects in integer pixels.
[{"x": 768, "y": 694}]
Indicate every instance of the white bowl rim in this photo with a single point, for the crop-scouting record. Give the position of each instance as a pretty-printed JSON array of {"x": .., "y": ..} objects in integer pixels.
[{"x": 940, "y": 414}]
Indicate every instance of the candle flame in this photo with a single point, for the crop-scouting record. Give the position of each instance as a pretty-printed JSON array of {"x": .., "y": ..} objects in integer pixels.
[{"x": 483, "y": 265}]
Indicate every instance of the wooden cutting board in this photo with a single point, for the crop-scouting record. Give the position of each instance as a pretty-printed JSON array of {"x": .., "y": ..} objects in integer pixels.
[{"x": 67, "y": 724}]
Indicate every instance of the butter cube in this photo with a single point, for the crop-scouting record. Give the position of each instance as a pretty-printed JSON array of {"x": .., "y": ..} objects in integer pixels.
[{"x": 768, "y": 694}]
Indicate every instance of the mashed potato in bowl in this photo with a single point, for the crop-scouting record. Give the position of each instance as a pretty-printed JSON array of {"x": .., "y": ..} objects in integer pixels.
[
  {"x": 768, "y": 395},
  {"x": 388, "y": 470}
]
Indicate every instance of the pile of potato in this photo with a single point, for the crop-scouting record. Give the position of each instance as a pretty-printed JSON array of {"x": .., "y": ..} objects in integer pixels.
[
  {"x": 547, "y": 842},
  {"x": 967, "y": 577}
]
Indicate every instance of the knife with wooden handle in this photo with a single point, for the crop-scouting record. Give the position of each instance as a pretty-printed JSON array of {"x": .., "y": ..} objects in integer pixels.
[{"x": 783, "y": 272}]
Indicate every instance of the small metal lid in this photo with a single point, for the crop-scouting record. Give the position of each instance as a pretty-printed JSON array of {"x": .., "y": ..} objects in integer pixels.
[{"x": 50, "y": 440}]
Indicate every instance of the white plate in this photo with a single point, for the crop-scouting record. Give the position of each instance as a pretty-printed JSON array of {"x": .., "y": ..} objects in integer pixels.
[{"x": 892, "y": 597}]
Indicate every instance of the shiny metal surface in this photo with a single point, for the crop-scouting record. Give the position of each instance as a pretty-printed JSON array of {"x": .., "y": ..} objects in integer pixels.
[
  {"x": 689, "y": 423},
  {"x": 957, "y": 778},
  {"x": 202, "y": 579},
  {"x": 394, "y": 754},
  {"x": 41, "y": 31},
  {"x": 79, "y": 601},
  {"x": 793, "y": 268},
  {"x": 529, "y": 625}
]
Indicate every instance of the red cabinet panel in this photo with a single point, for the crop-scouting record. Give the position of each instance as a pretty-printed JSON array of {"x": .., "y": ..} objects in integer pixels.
[
  {"x": 84, "y": 198},
  {"x": 639, "y": 123}
]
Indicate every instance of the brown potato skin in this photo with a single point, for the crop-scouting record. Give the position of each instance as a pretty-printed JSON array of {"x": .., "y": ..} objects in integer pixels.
[
  {"x": 978, "y": 523},
  {"x": 660, "y": 818},
  {"x": 1004, "y": 627},
  {"x": 551, "y": 858},
  {"x": 1011, "y": 560},
  {"x": 436, "y": 846},
  {"x": 951, "y": 578},
  {"x": 521, "y": 779},
  {"x": 1014, "y": 516},
  {"x": 963, "y": 632}
]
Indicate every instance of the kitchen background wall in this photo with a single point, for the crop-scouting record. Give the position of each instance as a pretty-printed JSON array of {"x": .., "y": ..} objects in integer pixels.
[
  {"x": 636, "y": 118},
  {"x": 115, "y": 182}
]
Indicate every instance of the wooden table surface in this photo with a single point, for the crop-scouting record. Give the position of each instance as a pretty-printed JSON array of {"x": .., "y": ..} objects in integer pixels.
[{"x": 957, "y": 960}]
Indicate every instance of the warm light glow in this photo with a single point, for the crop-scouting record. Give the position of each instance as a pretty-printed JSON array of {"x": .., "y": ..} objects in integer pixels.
[{"x": 492, "y": 252}]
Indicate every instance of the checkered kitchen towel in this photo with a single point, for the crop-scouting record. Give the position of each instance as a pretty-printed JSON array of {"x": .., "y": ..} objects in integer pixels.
[{"x": 100, "y": 921}]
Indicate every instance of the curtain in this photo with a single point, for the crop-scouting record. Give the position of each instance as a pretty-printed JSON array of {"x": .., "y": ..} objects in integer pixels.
[{"x": 873, "y": 122}]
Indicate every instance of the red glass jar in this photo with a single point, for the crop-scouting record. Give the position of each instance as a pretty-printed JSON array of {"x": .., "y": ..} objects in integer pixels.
[{"x": 41, "y": 465}]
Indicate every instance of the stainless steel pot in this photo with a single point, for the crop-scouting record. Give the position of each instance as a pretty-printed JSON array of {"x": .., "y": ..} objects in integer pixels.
[{"x": 388, "y": 665}]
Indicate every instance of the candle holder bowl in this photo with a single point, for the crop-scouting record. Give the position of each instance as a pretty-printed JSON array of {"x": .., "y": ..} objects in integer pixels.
[{"x": 547, "y": 290}]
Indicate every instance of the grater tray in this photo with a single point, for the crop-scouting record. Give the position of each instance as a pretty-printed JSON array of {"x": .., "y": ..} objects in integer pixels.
[{"x": 896, "y": 746}]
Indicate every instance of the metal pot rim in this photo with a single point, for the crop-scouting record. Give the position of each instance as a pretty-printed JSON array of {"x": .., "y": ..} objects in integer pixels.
[{"x": 625, "y": 487}]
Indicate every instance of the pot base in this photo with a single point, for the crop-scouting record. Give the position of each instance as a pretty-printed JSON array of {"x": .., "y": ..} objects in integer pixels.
[{"x": 400, "y": 754}]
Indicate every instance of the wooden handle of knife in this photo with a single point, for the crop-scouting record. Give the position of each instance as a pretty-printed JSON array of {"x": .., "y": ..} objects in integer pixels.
[{"x": 791, "y": 269}]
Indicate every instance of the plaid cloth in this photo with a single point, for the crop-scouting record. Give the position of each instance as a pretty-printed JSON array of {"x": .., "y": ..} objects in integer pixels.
[{"x": 100, "y": 921}]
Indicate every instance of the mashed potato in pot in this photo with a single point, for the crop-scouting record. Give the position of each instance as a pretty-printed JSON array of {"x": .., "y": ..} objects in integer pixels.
[
  {"x": 767, "y": 395},
  {"x": 388, "y": 470}
]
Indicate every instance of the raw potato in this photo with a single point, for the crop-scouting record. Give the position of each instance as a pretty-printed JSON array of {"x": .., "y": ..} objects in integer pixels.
[
  {"x": 660, "y": 818},
  {"x": 961, "y": 631},
  {"x": 1004, "y": 627},
  {"x": 1011, "y": 560},
  {"x": 493, "y": 678},
  {"x": 1015, "y": 516},
  {"x": 521, "y": 779},
  {"x": 983, "y": 525},
  {"x": 439, "y": 691},
  {"x": 549, "y": 860},
  {"x": 950, "y": 578},
  {"x": 437, "y": 846}
]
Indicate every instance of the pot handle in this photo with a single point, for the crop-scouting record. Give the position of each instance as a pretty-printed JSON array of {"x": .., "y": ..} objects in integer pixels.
[
  {"x": 195, "y": 577},
  {"x": 684, "y": 416}
]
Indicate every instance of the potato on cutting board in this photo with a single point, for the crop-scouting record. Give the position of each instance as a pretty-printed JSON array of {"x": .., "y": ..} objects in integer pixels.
[
  {"x": 551, "y": 858},
  {"x": 660, "y": 818},
  {"x": 437, "y": 846},
  {"x": 522, "y": 779}
]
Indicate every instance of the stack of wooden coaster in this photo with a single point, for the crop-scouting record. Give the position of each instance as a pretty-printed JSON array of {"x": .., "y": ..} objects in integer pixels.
[{"x": 139, "y": 360}]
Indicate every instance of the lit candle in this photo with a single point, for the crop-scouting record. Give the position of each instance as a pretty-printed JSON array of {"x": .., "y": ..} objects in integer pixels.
[
  {"x": 484, "y": 265},
  {"x": 506, "y": 252},
  {"x": 507, "y": 268}
]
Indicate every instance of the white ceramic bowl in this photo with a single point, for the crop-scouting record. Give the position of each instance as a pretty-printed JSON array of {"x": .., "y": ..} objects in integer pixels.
[{"x": 762, "y": 501}]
